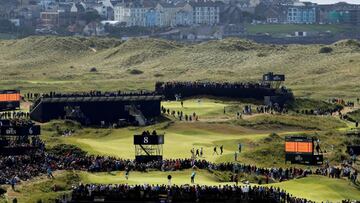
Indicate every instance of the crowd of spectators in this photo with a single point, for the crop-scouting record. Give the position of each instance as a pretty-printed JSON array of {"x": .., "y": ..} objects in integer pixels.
[
  {"x": 182, "y": 193},
  {"x": 256, "y": 90},
  {"x": 214, "y": 85},
  {"x": 14, "y": 115},
  {"x": 29, "y": 165}
]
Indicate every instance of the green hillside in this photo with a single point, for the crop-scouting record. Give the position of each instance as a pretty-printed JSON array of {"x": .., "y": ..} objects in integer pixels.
[{"x": 64, "y": 63}]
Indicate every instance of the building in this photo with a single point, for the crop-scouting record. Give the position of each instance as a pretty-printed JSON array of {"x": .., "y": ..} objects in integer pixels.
[
  {"x": 94, "y": 29},
  {"x": 184, "y": 15},
  {"x": 339, "y": 13},
  {"x": 95, "y": 110},
  {"x": 49, "y": 19},
  {"x": 301, "y": 13},
  {"x": 132, "y": 14},
  {"x": 183, "y": 18},
  {"x": 206, "y": 13},
  {"x": 169, "y": 13},
  {"x": 153, "y": 18}
]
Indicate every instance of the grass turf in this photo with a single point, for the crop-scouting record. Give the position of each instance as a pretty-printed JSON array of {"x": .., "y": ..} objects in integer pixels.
[
  {"x": 181, "y": 137},
  {"x": 316, "y": 188}
]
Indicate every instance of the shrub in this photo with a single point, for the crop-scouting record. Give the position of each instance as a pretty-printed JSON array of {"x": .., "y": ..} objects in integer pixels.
[
  {"x": 157, "y": 75},
  {"x": 261, "y": 54},
  {"x": 136, "y": 72},
  {"x": 325, "y": 50},
  {"x": 2, "y": 191}
]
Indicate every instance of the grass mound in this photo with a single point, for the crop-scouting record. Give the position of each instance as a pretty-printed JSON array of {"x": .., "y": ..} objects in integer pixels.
[
  {"x": 348, "y": 43},
  {"x": 57, "y": 127},
  {"x": 269, "y": 151},
  {"x": 149, "y": 44},
  {"x": 64, "y": 149},
  {"x": 353, "y": 116},
  {"x": 296, "y": 121},
  {"x": 302, "y": 104},
  {"x": 64, "y": 45},
  {"x": 232, "y": 44}
]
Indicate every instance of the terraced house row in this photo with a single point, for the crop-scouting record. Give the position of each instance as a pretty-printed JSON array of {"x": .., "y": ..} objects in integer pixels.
[{"x": 161, "y": 14}]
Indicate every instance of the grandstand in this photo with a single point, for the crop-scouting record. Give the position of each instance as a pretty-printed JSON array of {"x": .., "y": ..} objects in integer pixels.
[{"x": 99, "y": 109}]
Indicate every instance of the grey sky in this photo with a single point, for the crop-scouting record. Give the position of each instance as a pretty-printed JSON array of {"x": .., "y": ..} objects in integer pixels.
[{"x": 333, "y": 1}]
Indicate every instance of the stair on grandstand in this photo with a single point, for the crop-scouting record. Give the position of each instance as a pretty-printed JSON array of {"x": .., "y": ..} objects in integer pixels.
[
  {"x": 137, "y": 114},
  {"x": 35, "y": 109}
]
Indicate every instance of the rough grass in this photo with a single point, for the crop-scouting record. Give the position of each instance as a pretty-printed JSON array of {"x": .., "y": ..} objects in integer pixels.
[
  {"x": 63, "y": 63},
  {"x": 300, "y": 104},
  {"x": 296, "y": 121}
]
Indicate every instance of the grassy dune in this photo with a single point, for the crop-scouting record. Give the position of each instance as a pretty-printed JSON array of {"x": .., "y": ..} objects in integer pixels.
[{"x": 57, "y": 63}]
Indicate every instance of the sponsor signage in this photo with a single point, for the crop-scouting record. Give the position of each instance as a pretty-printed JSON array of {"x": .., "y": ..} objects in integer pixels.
[{"x": 20, "y": 130}]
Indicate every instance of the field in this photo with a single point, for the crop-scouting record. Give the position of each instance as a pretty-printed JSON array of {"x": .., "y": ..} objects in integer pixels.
[
  {"x": 291, "y": 29},
  {"x": 40, "y": 64},
  {"x": 64, "y": 63}
]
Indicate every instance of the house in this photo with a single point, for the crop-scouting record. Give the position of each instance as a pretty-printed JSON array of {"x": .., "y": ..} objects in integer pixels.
[
  {"x": 169, "y": 11},
  {"x": 104, "y": 10},
  {"x": 153, "y": 18},
  {"x": 231, "y": 14},
  {"x": 206, "y": 13},
  {"x": 183, "y": 18},
  {"x": 94, "y": 29},
  {"x": 49, "y": 19},
  {"x": 272, "y": 15},
  {"x": 132, "y": 13},
  {"x": 184, "y": 15}
]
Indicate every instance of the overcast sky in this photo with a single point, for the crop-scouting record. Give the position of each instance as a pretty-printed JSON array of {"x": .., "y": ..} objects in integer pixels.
[{"x": 333, "y": 1}]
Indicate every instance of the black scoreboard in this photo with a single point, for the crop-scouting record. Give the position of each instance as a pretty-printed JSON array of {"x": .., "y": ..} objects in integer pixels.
[
  {"x": 273, "y": 77},
  {"x": 20, "y": 130},
  {"x": 148, "y": 139}
]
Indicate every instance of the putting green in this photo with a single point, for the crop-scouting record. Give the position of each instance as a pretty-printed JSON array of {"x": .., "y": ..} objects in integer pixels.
[
  {"x": 202, "y": 107},
  {"x": 321, "y": 189},
  {"x": 316, "y": 188}
]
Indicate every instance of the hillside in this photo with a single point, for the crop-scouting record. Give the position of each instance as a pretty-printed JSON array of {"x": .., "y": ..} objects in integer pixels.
[{"x": 64, "y": 63}]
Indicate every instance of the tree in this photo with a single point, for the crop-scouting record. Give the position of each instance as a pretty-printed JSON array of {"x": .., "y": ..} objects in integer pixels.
[
  {"x": 6, "y": 26},
  {"x": 90, "y": 16}
]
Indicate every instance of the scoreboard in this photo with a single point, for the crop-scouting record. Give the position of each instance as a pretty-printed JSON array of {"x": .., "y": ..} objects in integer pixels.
[
  {"x": 148, "y": 140},
  {"x": 299, "y": 145},
  {"x": 9, "y": 99},
  {"x": 300, "y": 149},
  {"x": 20, "y": 130}
]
